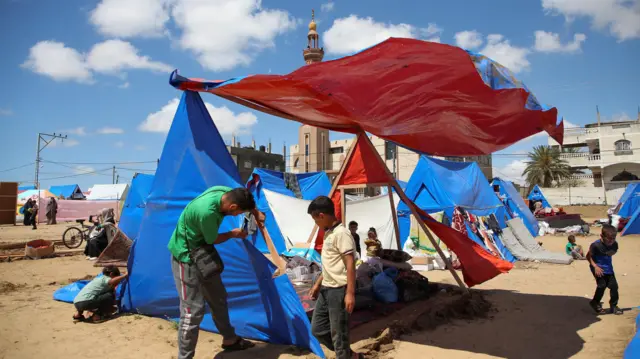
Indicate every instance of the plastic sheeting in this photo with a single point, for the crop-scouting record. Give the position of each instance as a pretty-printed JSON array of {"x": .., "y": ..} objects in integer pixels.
[
  {"x": 633, "y": 226},
  {"x": 70, "y": 210},
  {"x": 70, "y": 191},
  {"x": 633, "y": 349},
  {"x": 106, "y": 192},
  {"x": 292, "y": 221},
  {"x": 630, "y": 200},
  {"x": 374, "y": 212},
  {"x": 517, "y": 206},
  {"x": 69, "y": 292},
  {"x": 311, "y": 185},
  {"x": 530, "y": 244},
  {"x": 195, "y": 158},
  {"x": 135, "y": 204},
  {"x": 432, "y": 98},
  {"x": 537, "y": 195}
]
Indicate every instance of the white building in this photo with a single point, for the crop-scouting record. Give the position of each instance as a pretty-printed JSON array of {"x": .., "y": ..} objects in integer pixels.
[{"x": 608, "y": 153}]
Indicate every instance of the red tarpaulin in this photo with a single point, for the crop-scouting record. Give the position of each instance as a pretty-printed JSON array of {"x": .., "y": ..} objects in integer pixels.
[{"x": 425, "y": 96}]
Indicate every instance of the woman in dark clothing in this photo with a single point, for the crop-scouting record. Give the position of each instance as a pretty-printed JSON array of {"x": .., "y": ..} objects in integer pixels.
[
  {"x": 98, "y": 239},
  {"x": 27, "y": 212}
]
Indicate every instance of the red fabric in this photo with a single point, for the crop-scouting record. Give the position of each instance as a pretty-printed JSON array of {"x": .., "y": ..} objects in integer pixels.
[
  {"x": 478, "y": 265},
  {"x": 426, "y": 96}
]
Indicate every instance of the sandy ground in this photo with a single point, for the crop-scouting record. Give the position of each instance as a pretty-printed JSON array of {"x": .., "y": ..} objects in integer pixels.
[{"x": 540, "y": 311}]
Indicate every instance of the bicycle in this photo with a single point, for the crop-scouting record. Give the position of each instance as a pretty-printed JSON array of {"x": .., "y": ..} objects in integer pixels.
[{"x": 73, "y": 237}]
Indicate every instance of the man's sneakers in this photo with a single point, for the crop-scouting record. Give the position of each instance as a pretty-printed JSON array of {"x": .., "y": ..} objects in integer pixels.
[{"x": 615, "y": 310}]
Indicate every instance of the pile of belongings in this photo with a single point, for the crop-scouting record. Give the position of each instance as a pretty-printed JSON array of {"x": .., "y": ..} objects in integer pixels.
[
  {"x": 549, "y": 212},
  {"x": 483, "y": 229},
  {"x": 578, "y": 229},
  {"x": 517, "y": 238},
  {"x": 301, "y": 270}
]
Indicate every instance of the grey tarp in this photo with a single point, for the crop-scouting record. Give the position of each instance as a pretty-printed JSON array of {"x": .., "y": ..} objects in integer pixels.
[
  {"x": 529, "y": 243},
  {"x": 513, "y": 245}
]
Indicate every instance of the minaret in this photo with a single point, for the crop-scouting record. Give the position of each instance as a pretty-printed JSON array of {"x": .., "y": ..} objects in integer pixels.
[{"x": 313, "y": 52}]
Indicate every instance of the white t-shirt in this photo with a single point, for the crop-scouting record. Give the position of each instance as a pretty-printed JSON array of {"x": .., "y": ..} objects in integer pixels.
[{"x": 338, "y": 242}]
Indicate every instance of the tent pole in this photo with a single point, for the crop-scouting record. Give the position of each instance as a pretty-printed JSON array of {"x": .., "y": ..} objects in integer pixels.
[
  {"x": 343, "y": 206},
  {"x": 395, "y": 216},
  {"x": 277, "y": 260}
]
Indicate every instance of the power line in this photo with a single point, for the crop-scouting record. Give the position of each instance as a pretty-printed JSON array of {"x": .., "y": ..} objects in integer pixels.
[
  {"x": 102, "y": 163},
  {"x": 17, "y": 168}
]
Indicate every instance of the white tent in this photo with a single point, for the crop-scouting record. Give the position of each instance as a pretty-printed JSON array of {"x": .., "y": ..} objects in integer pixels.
[{"x": 109, "y": 192}]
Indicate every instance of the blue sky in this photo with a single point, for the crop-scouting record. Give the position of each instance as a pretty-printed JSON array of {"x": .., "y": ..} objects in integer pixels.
[{"x": 98, "y": 70}]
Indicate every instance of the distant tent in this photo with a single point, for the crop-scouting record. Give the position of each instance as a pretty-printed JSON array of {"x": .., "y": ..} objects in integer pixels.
[
  {"x": 536, "y": 195},
  {"x": 439, "y": 185},
  {"x": 629, "y": 201},
  {"x": 307, "y": 186},
  {"x": 33, "y": 194},
  {"x": 135, "y": 204},
  {"x": 71, "y": 191},
  {"x": 108, "y": 192},
  {"x": 26, "y": 188},
  {"x": 516, "y": 206},
  {"x": 195, "y": 158}
]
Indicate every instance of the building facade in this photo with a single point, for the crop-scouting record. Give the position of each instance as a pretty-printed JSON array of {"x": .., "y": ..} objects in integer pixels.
[
  {"x": 249, "y": 157},
  {"x": 607, "y": 153}
]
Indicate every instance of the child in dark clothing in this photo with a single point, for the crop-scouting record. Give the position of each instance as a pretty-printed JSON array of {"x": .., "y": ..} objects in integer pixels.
[{"x": 601, "y": 265}]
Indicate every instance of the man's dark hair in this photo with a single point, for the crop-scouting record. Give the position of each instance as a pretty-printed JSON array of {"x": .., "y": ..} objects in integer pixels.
[
  {"x": 241, "y": 197},
  {"x": 321, "y": 204},
  {"x": 353, "y": 223},
  {"x": 111, "y": 271},
  {"x": 609, "y": 230}
]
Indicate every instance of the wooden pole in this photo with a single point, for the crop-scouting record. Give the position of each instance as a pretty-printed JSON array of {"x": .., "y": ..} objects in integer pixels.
[
  {"x": 395, "y": 216},
  {"x": 277, "y": 260},
  {"x": 343, "y": 206}
]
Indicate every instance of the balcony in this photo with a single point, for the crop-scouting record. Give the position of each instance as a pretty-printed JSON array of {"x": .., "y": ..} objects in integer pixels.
[
  {"x": 581, "y": 159},
  {"x": 574, "y": 135}
]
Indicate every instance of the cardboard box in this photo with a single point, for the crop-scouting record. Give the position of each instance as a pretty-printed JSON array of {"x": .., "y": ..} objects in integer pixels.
[
  {"x": 421, "y": 260},
  {"x": 39, "y": 248}
]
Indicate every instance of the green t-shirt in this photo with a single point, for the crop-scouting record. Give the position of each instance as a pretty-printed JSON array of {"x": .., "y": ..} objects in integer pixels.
[
  {"x": 569, "y": 247},
  {"x": 97, "y": 286},
  {"x": 198, "y": 223}
]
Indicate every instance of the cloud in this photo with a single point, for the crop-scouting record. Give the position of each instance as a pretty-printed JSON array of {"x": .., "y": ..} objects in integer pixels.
[
  {"x": 468, "y": 39},
  {"x": 550, "y": 42},
  {"x": 226, "y": 120},
  {"x": 111, "y": 57},
  {"x": 511, "y": 171},
  {"x": 110, "y": 131},
  {"x": 78, "y": 131},
  {"x": 124, "y": 85},
  {"x": 512, "y": 57},
  {"x": 140, "y": 148},
  {"x": 118, "y": 144},
  {"x": 620, "y": 17},
  {"x": 351, "y": 34},
  {"x": 55, "y": 60},
  {"x": 5, "y": 112},
  {"x": 224, "y": 34},
  {"x": 68, "y": 143},
  {"x": 327, "y": 7},
  {"x": 126, "y": 18},
  {"x": 618, "y": 117},
  {"x": 84, "y": 170}
]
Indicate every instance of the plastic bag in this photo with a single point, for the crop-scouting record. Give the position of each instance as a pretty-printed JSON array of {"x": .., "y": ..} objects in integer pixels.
[{"x": 384, "y": 289}]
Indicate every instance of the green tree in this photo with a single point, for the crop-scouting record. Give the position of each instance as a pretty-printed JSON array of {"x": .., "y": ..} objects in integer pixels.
[{"x": 545, "y": 166}]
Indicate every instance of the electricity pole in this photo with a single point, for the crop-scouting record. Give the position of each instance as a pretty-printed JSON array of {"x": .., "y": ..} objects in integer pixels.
[
  {"x": 47, "y": 139},
  {"x": 113, "y": 181}
]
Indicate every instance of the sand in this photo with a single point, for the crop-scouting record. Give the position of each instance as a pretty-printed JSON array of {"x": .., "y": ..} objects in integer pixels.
[{"x": 539, "y": 311}]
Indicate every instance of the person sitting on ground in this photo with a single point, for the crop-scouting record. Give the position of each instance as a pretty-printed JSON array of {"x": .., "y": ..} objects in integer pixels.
[
  {"x": 98, "y": 239},
  {"x": 573, "y": 249},
  {"x": 353, "y": 228},
  {"x": 98, "y": 296},
  {"x": 374, "y": 246},
  {"x": 601, "y": 265}
]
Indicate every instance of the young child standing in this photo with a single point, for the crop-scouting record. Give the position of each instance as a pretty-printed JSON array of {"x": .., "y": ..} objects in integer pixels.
[
  {"x": 335, "y": 288},
  {"x": 572, "y": 249},
  {"x": 601, "y": 265}
]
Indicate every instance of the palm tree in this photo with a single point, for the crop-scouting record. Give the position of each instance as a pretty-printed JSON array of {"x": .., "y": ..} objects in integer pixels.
[{"x": 545, "y": 166}]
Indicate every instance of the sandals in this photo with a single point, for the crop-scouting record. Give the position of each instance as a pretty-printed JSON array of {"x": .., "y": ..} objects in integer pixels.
[
  {"x": 80, "y": 318},
  {"x": 597, "y": 308},
  {"x": 617, "y": 311},
  {"x": 96, "y": 319},
  {"x": 240, "y": 344}
]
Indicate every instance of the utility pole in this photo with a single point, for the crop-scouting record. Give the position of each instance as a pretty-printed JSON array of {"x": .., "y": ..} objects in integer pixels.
[
  {"x": 113, "y": 180},
  {"x": 47, "y": 139}
]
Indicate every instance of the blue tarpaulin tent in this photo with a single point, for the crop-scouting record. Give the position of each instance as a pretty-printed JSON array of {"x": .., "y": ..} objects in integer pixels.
[
  {"x": 195, "y": 158},
  {"x": 516, "y": 206},
  {"x": 26, "y": 188},
  {"x": 630, "y": 200},
  {"x": 439, "y": 185},
  {"x": 135, "y": 204},
  {"x": 311, "y": 186},
  {"x": 70, "y": 191},
  {"x": 537, "y": 195}
]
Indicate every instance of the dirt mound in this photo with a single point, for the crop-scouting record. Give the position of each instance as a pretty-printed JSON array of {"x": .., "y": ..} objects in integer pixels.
[{"x": 8, "y": 287}]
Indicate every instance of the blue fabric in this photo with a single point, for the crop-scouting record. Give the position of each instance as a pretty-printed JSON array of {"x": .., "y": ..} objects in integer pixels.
[
  {"x": 630, "y": 200},
  {"x": 195, "y": 158},
  {"x": 537, "y": 195},
  {"x": 633, "y": 226},
  {"x": 67, "y": 191},
  {"x": 26, "y": 188},
  {"x": 516, "y": 204},
  {"x": 312, "y": 185},
  {"x": 135, "y": 204},
  {"x": 633, "y": 349},
  {"x": 68, "y": 293},
  {"x": 384, "y": 289}
]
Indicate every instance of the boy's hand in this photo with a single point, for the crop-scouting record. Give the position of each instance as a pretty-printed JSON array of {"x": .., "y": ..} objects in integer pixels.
[
  {"x": 259, "y": 216},
  {"x": 238, "y": 233},
  {"x": 598, "y": 271},
  {"x": 314, "y": 291},
  {"x": 349, "y": 302}
]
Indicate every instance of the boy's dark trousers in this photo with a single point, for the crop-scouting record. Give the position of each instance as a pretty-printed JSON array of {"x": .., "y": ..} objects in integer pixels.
[
  {"x": 604, "y": 282},
  {"x": 330, "y": 322}
]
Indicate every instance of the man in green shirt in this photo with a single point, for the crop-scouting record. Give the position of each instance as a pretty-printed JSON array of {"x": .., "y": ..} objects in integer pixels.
[{"x": 198, "y": 226}]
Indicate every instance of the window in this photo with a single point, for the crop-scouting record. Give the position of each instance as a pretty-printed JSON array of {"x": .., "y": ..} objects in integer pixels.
[
  {"x": 295, "y": 163},
  {"x": 390, "y": 150},
  {"x": 306, "y": 166},
  {"x": 623, "y": 145},
  {"x": 306, "y": 150},
  {"x": 247, "y": 164},
  {"x": 335, "y": 150},
  {"x": 277, "y": 168}
]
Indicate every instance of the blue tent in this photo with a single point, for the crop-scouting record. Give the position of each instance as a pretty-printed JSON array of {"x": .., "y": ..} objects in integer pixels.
[
  {"x": 440, "y": 185},
  {"x": 402, "y": 184},
  {"x": 26, "y": 188},
  {"x": 312, "y": 185},
  {"x": 537, "y": 195},
  {"x": 195, "y": 158},
  {"x": 70, "y": 191},
  {"x": 630, "y": 200},
  {"x": 515, "y": 204},
  {"x": 135, "y": 204}
]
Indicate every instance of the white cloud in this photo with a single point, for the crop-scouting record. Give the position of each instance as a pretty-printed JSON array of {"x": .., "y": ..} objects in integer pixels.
[
  {"x": 114, "y": 56},
  {"x": 68, "y": 143},
  {"x": 140, "y": 148},
  {"x": 226, "y": 120},
  {"x": 350, "y": 34},
  {"x": 327, "y": 6},
  {"x": 511, "y": 171},
  {"x": 618, "y": 117},
  {"x": 126, "y": 18},
  {"x": 620, "y": 17},
  {"x": 84, "y": 170},
  {"x": 118, "y": 144},
  {"x": 55, "y": 60},
  {"x": 110, "y": 131},
  {"x": 124, "y": 85},
  {"x": 550, "y": 42},
  {"x": 512, "y": 57},
  {"x": 78, "y": 131},
  {"x": 111, "y": 57},
  {"x": 5, "y": 112},
  {"x": 226, "y": 33},
  {"x": 468, "y": 39}
]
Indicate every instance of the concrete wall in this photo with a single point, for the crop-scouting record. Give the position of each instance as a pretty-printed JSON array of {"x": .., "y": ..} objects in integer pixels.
[{"x": 582, "y": 196}]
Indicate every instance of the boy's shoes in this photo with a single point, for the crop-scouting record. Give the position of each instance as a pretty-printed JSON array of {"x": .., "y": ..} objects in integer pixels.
[
  {"x": 617, "y": 311},
  {"x": 597, "y": 307}
]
